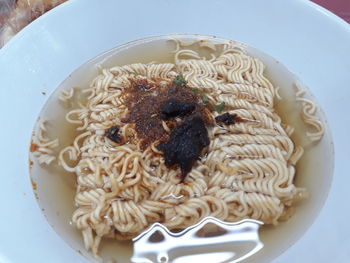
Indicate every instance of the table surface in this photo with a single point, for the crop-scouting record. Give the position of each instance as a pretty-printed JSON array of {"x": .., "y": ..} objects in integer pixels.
[
  {"x": 324, "y": 67},
  {"x": 338, "y": 7}
]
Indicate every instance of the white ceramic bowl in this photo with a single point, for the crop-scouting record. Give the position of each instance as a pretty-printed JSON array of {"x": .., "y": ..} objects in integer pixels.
[{"x": 55, "y": 189}]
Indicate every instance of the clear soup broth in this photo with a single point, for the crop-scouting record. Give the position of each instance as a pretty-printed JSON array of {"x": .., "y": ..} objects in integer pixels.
[{"x": 55, "y": 188}]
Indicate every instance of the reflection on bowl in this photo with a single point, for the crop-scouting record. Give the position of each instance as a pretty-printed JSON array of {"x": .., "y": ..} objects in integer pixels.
[{"x": 221, "y": 242}]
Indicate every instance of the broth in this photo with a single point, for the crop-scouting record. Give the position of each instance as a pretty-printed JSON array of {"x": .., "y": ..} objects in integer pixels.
[{"x": 56, "y": 186}]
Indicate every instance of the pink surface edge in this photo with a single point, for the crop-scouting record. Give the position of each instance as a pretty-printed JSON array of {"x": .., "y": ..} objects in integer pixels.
[{"x": 339, "y": 7}]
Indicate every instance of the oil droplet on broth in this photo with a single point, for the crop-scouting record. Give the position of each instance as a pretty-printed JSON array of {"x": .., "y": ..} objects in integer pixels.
[{"x": 122, "y": 250}]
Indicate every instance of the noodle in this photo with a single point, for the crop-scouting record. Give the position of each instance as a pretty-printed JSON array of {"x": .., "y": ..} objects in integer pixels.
[
  {"x": 248, "y": 171},
  {"x": 41, "y": 146},
  {"x": 308, "y": 115}
]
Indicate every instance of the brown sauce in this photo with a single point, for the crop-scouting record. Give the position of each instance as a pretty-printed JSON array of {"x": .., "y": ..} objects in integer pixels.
[
  {"x": 33, "y": 147},
  {"x": 146, "y": 101}
]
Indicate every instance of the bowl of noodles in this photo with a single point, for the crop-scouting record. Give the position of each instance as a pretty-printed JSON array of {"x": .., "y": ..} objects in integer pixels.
[{"x": 173, "y": 129}]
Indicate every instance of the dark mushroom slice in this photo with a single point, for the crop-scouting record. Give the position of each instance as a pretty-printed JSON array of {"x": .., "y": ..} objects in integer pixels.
[{"x": 185, "y": 145}]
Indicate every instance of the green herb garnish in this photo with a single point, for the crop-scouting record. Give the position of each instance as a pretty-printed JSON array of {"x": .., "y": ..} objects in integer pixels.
[
  {"x": 204, "y": 98},
  {"x": 180, "y": 81},
  {"x": 194, "y": 91},
  {"x": 136, "y": 73},
  {"x": 202, "y": 95},
  {"x": 220, "y": 107}
]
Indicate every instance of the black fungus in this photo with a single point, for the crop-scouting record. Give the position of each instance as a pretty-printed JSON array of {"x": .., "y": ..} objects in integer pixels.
[
  {"x": 113, "y": 134},
  {"x": 176, "y": 108},
  {"x": 227, "y": 118},
  {"x": 185, "y": 144}
]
